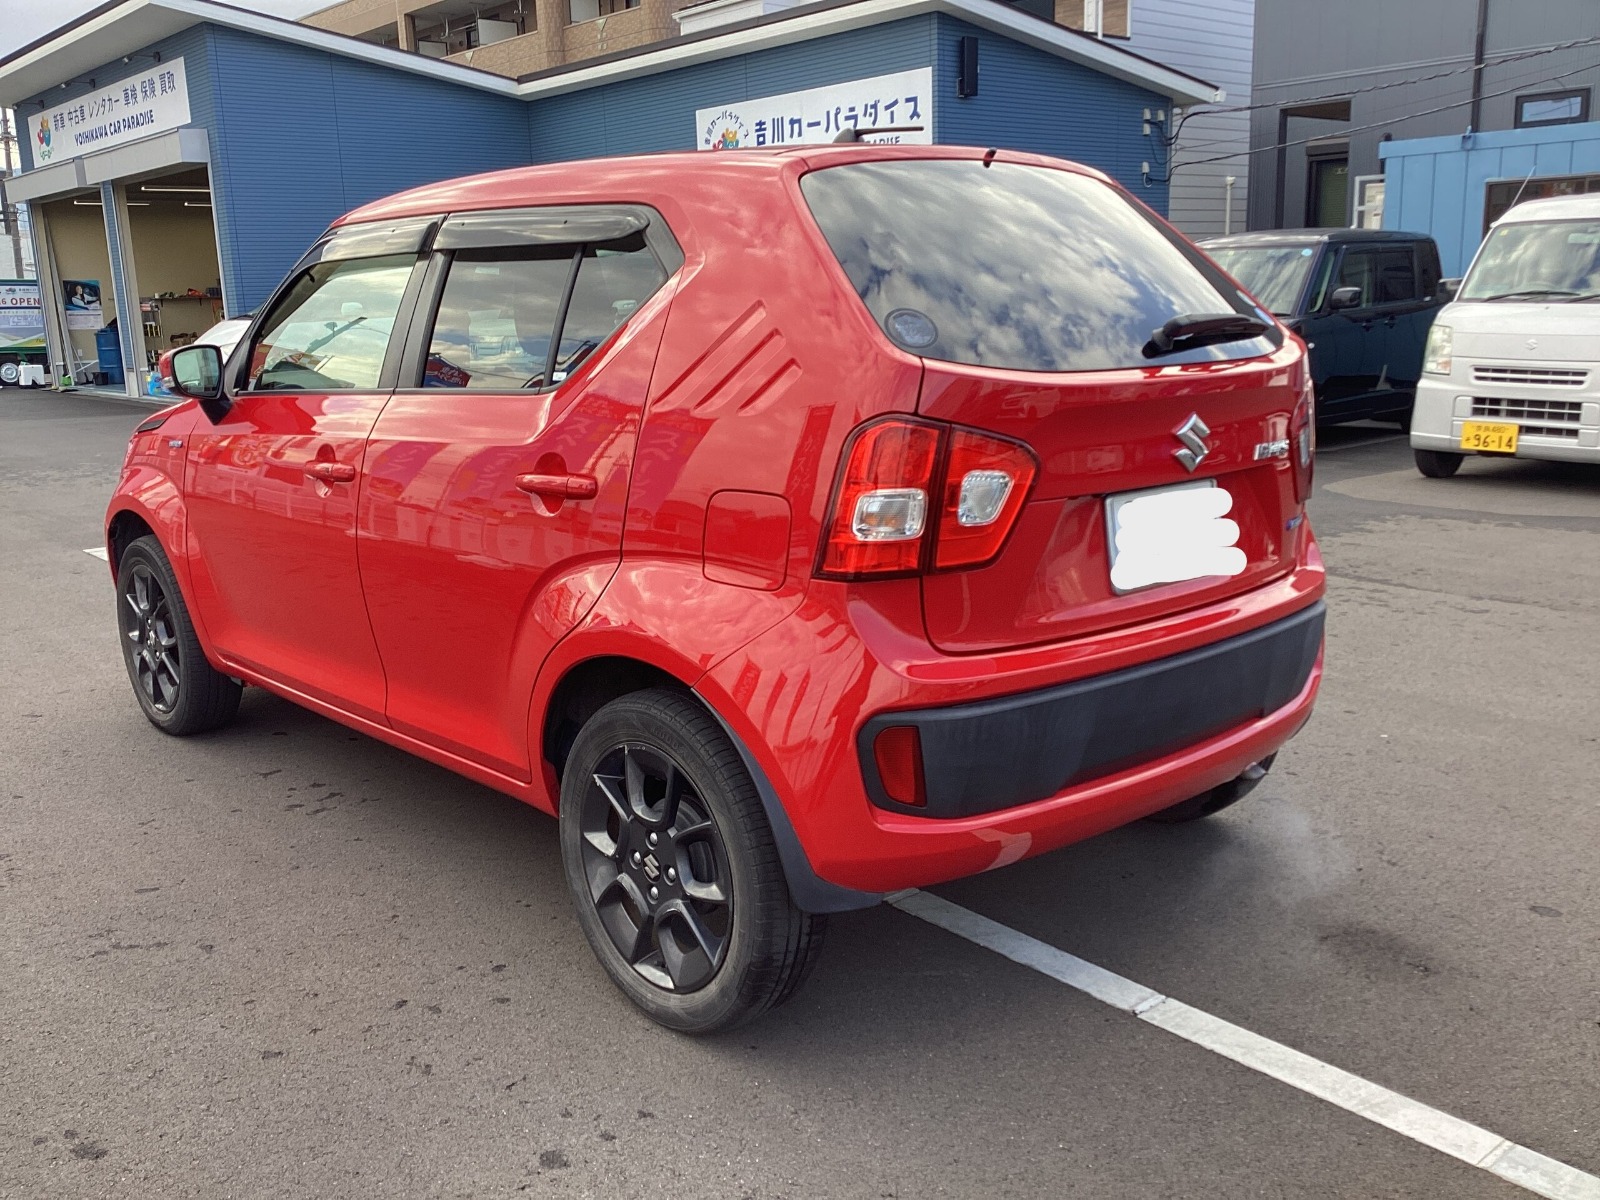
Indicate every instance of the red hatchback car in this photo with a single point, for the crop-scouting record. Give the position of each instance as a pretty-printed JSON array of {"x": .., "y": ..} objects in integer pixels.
[{"x": 799, "y": 526}]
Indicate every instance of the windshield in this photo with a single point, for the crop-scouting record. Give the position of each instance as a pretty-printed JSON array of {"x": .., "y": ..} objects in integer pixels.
[
  {"x": 1274, "y": 275},
  {"x": 1014, "y": 266},
  {"x": 1537, "y": 260}
]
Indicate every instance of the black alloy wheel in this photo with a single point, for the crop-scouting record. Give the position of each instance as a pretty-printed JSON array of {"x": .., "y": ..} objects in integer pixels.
[
  {"x": 656, "y": 868},
  {"x": 148, "y": 625},
  {"x": 673, "y": 869},
  {"x": 180, "y": 692}
]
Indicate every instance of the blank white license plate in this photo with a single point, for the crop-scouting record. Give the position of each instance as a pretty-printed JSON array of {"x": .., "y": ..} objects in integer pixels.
[{"x": 1171, "y": 534}]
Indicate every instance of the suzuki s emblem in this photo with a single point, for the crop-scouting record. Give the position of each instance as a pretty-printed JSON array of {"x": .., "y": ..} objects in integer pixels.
[
  {"x": 1192, "y": 433},
  {"x": 1532, "y": 343}
]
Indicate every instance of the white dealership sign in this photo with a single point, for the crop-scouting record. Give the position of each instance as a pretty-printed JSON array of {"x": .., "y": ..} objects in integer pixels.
[
  {"x": 153, "y": 101},
  {"x": 821, "y": 114}
]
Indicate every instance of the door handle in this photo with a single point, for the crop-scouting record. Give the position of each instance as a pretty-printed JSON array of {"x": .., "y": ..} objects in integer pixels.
[
  {"x": 331, "y": 472},
  {"x": 567, "y": 487}
]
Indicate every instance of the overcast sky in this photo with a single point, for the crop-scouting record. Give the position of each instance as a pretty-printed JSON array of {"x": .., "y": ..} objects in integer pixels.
[{"x": 23, "y": 21}]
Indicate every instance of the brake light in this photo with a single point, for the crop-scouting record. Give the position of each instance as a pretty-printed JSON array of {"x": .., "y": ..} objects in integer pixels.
[
  {"x": 917, "y": 496},
  {"x": 1303, "y": 433},
  {"x": 880, "y": 506}
]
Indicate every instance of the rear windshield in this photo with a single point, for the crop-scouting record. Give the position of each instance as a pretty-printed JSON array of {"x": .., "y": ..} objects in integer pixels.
[
  {"x": 1015, "y": 266},
  {"x": 1274, "y": 275}
]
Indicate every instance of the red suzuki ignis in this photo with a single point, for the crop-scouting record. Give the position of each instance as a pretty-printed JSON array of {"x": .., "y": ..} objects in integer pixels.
[{"x": 798, "y": 526}]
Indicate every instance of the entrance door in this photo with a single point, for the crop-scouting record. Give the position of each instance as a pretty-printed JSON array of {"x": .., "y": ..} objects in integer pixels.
[
  {"x": 492, "y": 515},
  {"x": 1328, "y": 192},
  {"x": 272, "y": 488}
]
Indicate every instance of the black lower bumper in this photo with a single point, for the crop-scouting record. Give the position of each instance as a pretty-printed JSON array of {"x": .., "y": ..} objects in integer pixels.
[{"x": 1012, "y": 750}]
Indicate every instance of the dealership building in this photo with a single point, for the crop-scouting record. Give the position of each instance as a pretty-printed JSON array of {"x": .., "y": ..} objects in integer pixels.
[{"x": 180, "y": 155}]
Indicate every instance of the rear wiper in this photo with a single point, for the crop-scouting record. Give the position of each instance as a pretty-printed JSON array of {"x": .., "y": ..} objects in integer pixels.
[
  {"x": 1202, "y": 329},
  {"x": 1584, "y": 298},
  {"x": 1524, "y": 295}
]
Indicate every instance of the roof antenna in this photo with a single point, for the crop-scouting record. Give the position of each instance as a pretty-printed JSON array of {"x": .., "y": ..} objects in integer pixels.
[{"x": 988, "y": 155}]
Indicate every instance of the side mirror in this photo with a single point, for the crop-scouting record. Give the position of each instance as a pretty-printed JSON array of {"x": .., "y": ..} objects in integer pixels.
[
  {"x": 193, "y": 371},
  {"x": 1345, "y": 297},
  {"x": 1447, "y": 289}
]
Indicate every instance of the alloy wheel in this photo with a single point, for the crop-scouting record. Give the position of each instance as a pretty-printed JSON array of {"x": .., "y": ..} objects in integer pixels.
[
  {"x": 656, "y": 868},
  {"x": 152, "y": 634}
]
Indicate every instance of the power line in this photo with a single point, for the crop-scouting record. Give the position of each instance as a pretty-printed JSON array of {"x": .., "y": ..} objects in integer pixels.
[
  {"x": 1378, "y": 87},
  {"x": 1427, "y": 112}
]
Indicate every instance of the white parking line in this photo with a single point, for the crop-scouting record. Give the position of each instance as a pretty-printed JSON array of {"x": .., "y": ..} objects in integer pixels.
[
  {"x": 99, "y": 552},
  {"x": 1538, "y": 1173}
]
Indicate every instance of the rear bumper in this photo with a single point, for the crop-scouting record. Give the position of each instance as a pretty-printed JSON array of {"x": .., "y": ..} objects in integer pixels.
[
  {"x": 1019, "y": 749},
  {"x": 800, "y": 697}
]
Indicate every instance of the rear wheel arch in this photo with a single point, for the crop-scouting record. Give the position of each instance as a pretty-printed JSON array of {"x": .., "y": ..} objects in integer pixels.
[{"x": 584, "y": 689}]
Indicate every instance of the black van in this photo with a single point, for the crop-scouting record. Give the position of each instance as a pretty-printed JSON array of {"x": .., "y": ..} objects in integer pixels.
[{"x": 1362, "y": 299}]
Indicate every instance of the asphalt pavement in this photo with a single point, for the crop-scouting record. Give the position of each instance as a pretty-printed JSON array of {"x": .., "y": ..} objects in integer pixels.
[{"x": 284, "y": 960}]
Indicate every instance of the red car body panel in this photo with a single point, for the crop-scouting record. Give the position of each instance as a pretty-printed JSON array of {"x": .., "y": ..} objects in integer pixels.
[{"x": 432, "y": 603}]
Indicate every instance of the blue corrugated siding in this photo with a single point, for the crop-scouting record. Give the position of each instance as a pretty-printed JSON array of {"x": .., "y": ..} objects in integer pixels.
[
  {"x": 1030, "y": 100},
  {"x": 1437, "y": 185},
  {"x": 302, "y": 136},
  {"x": 656, "y": 112}
]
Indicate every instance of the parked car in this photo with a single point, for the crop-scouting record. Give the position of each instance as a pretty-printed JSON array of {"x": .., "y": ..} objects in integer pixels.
[
  {"x": 224, "y": 335},
  {"x": 1513, "y": 364},
  {"x": 1361, "y": 298},
  {"x": 798, "y": 526}
]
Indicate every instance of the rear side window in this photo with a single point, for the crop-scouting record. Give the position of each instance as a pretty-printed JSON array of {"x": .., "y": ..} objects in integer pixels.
[
  {"x": 1015, "y": 266},
  {"x": 1384, "y": 276},
  {"x": 495, "y": 329}
]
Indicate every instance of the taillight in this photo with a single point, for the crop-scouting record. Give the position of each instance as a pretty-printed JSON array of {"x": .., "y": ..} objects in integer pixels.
[
  {"x": 918, "y": 496},
  {"x": 880, "y": 506},
  {"x": 985, "y": 482},
  {"x": 1303, "y": 433}
]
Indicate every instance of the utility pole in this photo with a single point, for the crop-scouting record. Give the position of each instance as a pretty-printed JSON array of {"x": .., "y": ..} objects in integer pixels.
[{"x": 10, "y": 219}]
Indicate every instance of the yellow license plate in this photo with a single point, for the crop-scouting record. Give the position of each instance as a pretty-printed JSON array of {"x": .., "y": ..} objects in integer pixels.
[{"x": 1490, "y": 436}]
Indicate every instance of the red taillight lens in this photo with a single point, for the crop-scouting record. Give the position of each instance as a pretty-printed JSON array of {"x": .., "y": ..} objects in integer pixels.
[
  {"x": 986, "y": 481},
  {"x": 1303, "y": 434},
  {"x": 919, "y": 495},
  {"x": 898, "y": 753},
  {"x": 880, "y": 508}
]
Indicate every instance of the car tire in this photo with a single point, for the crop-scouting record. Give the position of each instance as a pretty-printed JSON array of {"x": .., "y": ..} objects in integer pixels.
[
  {"x": 178, "y": 690},
  {"x": 1222, "y": 796},
  {"x": 673, "y": 869},
  {"x": 1438, "y": 464},
  {"x": 10, "y": 374}
]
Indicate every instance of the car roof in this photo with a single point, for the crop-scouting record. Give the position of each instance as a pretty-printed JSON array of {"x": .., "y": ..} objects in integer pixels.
[
  {"x": 1300, "y": 237},
  {"x": 1554, "y": 208},
  {"x": 642, "y": 178}
]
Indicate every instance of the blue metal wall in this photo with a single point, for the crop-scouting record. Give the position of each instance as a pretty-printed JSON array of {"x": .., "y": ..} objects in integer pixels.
[
  {"x": 657, "y": 112},
  {"x": 301, "y": 136},
  {"x": 1030, "y": 100},
  {"x": 1437, "y": 185}
]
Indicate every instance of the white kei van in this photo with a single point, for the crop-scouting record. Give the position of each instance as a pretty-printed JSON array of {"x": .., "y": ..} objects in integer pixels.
[{"x": 1512, "y": 365}]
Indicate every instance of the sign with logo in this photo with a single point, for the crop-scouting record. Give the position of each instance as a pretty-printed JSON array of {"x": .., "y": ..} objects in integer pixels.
[
  {"x": 21, "y": 318},
  {"x": 153, "y": 101},
  {"x": 821, "y": 114}
]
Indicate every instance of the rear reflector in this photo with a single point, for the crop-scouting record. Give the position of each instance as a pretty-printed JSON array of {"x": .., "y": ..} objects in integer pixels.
[
  {"x": 898, "y": 751},
  {"x": 917, "y": 496}
]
